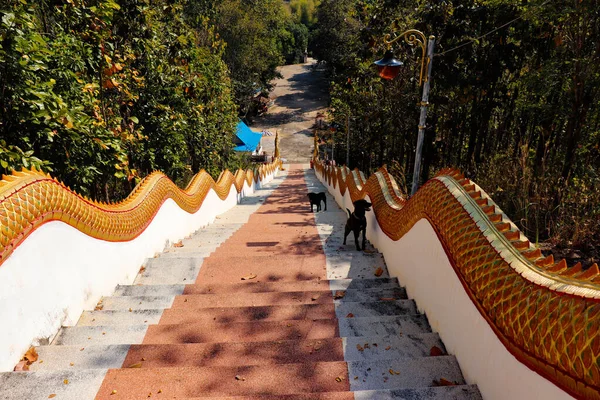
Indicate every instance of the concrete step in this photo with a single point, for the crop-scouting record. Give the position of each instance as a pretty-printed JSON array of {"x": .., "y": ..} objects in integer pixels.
[
  {"x": 384, "y": 326},
  {"x": 254, "y": 331},
  {"x": 358, "y": 285},
  {"x": 149, "y": 290},
  {"x": 176, "y": 253},
  {"x": 65, "y": 385},
  {"x": 120, "y": 317},
  {"x": 310, "y": 396},
  {"x": 403, "y": 373},
  {"x": 178, "y": 382},
  {"x": 169, "y": 271},
  {"x": 458, "y": 392},
  {"x": 137, "y": 302},
  {"x": 99, "y": 335},
  {"x": 183, "y": 314},
  {"x": 312, "y": 381},
  {"x": 198, "y": 241},
  {"x": 188, "y": 301},
  {"x": 236, "y": 353},
  {"x": 344, "y": 265},
  {"x": 366, "y": 348},
  {"x": 70, "y": 358},
  {"x": 281, "y": 378}
]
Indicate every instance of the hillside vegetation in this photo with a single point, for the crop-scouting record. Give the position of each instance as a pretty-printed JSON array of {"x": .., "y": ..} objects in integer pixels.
[
  {"x": 102, "y": 92},
  {"x": 514, "y": 101}
]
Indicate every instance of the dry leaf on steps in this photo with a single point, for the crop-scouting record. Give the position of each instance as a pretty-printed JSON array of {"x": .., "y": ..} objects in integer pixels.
[
  {"x": 239, "y": 378},
  {"x": 350, "y": 315},
  {"x": 339, "y": 294},
  {"x": 136, "y": 365},
  {"x": 178, "y": 244},
  {"x": 444, "y": 382},
  {"x": 379, "y": 271},
  {"x": 31, "y": 356},
  {"x": 248, "y": 277},
  {"x": 436, "y": 351},
  {"x": 53, "y": 395}
]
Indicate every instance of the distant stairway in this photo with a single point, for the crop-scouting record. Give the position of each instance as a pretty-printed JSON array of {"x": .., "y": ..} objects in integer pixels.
[{"x": 263, "y": 304}]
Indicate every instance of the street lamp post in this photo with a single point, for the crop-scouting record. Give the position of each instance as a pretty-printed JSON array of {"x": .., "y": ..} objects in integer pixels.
[
  {"x": 389, "y": 68},
  {"x": 348, "y": 140}
]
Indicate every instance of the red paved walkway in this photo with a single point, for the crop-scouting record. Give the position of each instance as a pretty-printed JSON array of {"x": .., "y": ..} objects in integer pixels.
[{"x": 275, "y": 334}]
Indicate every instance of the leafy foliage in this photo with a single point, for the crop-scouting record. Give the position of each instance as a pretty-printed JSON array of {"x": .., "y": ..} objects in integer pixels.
[
  {"x": 516, "y": 109},
  {"x": 102, "y": 92}
]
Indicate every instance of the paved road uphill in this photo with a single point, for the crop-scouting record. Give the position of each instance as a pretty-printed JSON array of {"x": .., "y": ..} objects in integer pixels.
[
  {"x": 299, "y": 95},
  {"x": 266, "y": 303}
]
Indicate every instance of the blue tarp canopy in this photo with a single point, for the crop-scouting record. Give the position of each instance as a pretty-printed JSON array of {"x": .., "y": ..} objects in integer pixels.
[{"x": 247, "y": 140}]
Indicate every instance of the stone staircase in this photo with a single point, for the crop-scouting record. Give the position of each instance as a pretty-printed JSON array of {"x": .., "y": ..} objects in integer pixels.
[{"x": 279, "y": 310}]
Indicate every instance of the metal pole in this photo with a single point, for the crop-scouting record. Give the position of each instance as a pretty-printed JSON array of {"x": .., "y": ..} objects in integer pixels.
[
  {"x": 348, "y": 140},
  {"x": 422, "y": 120},
  {"x": 332, "y": 146}
]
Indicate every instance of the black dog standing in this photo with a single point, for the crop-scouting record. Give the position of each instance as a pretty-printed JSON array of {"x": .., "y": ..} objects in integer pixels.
[
  {"x": 316, "y": 198},
  {"x": 357, "y": 222}
]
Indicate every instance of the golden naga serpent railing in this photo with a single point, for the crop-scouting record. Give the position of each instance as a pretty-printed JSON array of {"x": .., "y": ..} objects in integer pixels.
[
  {"x": 546, "y": 314},
  {"x": 29, "y": 199}
]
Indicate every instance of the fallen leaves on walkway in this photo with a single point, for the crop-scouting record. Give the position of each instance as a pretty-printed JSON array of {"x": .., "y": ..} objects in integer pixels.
[
  {"x": 350, "y": 315},
  {"x": 340, "y": 379},
  {"x": 248, "y": 277},
  {"x": 136, "y": 365},
  {"x": 379, "y": 271},
  {"x": 178, "y": 244},
  {"x": 239, "y": 378},
  {"x": 392, "y": 372},
  {"x": 360, "y": 348},
  {"x": 53, "y": 395}
]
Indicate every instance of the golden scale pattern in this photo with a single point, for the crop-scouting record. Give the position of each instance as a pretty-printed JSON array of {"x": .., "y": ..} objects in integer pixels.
[
  {"x": 552, "y": 325},
  {"x": 29, "y": 199}
]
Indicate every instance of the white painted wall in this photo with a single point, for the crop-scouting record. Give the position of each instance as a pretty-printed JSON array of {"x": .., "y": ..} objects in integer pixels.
[
  {"x": 421, "y": 265},
  {"x": 58, "y": 271}
]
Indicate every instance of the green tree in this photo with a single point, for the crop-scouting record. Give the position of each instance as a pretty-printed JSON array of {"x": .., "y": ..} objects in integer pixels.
[{"x": 254, "y": 32}]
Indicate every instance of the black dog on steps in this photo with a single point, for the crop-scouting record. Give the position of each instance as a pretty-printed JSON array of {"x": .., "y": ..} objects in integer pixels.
[
  {"x": 315, "y": 198},
  {"x": 357, "y": 221}
]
